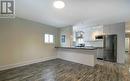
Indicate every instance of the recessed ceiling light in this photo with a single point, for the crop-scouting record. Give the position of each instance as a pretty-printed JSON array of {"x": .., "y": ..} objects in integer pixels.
[{"x": 59, "y": 4}]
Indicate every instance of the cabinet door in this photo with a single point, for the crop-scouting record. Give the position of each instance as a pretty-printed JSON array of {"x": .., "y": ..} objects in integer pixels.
[{"x": 100, "y": 53}]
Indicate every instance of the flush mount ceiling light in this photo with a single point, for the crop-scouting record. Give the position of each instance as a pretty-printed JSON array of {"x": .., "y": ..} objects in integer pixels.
[{"x": 59, "y": 4}]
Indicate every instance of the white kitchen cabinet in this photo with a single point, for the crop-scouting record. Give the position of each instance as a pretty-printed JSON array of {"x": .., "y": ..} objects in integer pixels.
[
  {"x": 100, "y": 53},
  {"x": 90, "y": 33}
]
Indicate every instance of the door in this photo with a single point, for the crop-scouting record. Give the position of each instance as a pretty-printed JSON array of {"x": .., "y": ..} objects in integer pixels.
[
  {"x": 127, "y": 48},
  {"x": 127, "y": 42}
]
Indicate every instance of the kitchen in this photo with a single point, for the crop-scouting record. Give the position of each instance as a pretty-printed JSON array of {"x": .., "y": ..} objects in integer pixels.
[{"x": 102, "y": 42}]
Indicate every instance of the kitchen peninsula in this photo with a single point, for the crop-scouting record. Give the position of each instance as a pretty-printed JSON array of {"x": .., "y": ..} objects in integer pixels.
[{"x": 82, "y": 55}]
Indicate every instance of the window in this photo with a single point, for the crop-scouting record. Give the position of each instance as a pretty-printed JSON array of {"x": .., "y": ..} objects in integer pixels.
[{"x": 49, "y": 38}]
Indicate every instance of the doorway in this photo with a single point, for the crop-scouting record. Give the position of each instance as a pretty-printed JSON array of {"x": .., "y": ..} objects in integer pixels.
[
  {"x": 127, "y": 42},
  {"x": 127, "y": 49}
]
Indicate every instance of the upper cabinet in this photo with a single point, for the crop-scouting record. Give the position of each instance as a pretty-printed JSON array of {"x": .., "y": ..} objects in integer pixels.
[
  {"x": 117, "y": 28},
  {"x": 95, "y": 31},
  {"x": 88, "y": 34}
]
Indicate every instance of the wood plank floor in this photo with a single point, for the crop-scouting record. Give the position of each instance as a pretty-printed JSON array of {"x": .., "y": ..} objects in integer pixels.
[{"x": 61, "y": 70}]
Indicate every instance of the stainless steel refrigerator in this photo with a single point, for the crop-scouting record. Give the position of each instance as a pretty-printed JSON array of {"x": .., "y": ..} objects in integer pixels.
[{"x": 110, "y": 48}]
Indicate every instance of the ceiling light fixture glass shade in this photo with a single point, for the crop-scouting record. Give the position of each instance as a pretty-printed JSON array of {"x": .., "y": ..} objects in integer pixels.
[{"x": 59, "y": 4}]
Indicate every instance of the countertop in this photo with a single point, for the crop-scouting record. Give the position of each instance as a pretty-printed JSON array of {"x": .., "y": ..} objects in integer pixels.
[{"x": 83, "y": 48}]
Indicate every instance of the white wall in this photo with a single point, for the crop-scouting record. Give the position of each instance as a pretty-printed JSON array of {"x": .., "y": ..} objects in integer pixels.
[
  {"x": 21, "y": 42},
  {"x": 119, "y": 29},
  {"x": 127, "y": 27}
]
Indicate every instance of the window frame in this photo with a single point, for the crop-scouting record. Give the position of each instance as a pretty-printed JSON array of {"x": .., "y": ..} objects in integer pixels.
[{"x": 49, "y": 38}]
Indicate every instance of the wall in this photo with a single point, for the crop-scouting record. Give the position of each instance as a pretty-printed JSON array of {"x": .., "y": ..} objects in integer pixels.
[
  {"x": 21, "y": 42},
  {"x": 119, "y": 29},
  {"x": 67, "y": 31},
  {"x": 127, "y": 26}
]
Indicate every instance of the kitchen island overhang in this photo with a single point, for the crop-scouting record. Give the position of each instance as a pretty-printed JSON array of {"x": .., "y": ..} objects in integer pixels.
[{"x": 86, "y": 56}]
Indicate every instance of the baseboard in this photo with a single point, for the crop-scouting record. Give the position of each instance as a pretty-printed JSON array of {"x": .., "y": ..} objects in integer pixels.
[{"x": 25, "y": 63}]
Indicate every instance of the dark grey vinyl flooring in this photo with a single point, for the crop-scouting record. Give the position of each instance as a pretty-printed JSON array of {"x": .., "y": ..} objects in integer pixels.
[{"x": 61, "y": 70}]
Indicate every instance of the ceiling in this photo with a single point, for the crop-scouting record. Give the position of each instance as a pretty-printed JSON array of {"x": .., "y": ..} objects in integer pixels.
[{"x": 75, "y": 11}]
